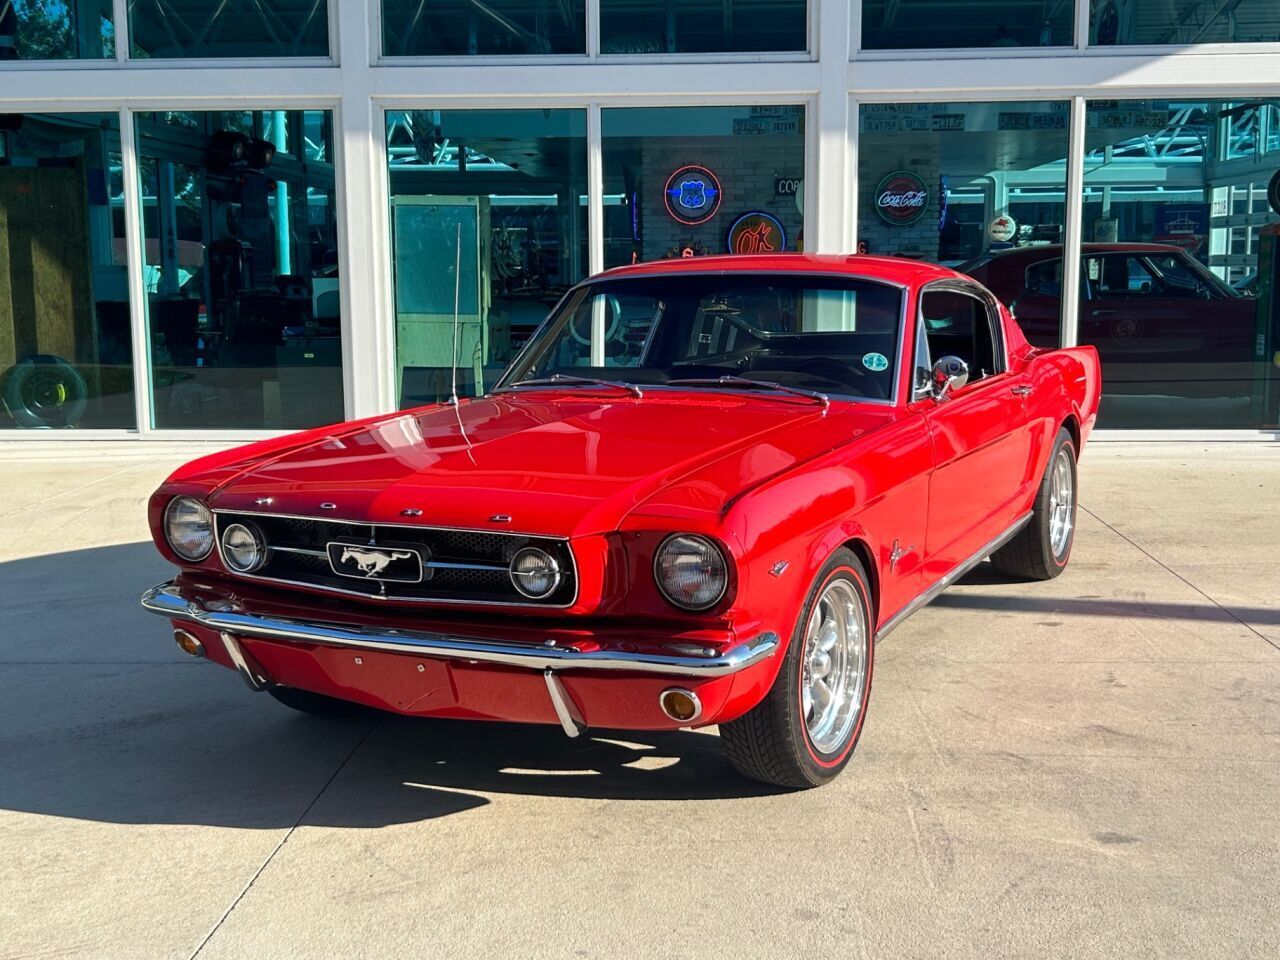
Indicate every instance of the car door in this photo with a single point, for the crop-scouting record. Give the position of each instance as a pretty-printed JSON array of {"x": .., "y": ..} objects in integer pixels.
[{"x": 981, "y": 439}]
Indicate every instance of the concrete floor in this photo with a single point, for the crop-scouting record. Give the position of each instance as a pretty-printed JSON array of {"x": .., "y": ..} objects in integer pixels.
[{"x": 1086, "y": 768}]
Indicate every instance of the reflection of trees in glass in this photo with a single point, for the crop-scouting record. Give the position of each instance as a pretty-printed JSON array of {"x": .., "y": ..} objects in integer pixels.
[{"x": 46, "y": 31}]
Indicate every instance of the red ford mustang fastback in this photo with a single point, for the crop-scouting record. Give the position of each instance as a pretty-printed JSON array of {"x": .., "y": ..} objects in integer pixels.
[{"x": 698, "y": 496}]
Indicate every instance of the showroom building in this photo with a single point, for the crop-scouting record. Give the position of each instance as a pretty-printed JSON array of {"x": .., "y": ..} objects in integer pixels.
[{"x": 223, "y": 219}]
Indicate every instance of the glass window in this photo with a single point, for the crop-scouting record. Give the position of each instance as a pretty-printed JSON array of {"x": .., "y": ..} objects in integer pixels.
[
  {"x": 813, "y": 333},
  {"x": 454, "y": 28},
  {"x": 489, "y": 213},
  {"x": 691, "y": 181},
  {"x": 56, "y": 30},
  {"x": 1149, "y": 22},
  {"x": 958, "y": 325},
  {"x": 161, "y": 29},
  {"x": 65, "y": 338},
  {"x": 930, "y": 24},
  {"x": 1178, "y": 286},
  {"x": 241, "y": 270},
  {"x": 977, "y": 186},
  {"x": 702, "y": 26}
]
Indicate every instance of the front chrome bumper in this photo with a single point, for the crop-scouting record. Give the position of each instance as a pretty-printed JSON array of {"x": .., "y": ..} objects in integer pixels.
[{"x": 169, "y": 600}]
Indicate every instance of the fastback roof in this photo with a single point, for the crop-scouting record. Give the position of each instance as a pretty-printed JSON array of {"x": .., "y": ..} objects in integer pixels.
[{"x": 893, "y": 269}]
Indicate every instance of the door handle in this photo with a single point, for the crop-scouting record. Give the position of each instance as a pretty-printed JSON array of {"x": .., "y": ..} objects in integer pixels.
[
  {"x": 1021, "y": 390},
  {"x": 1102, "y": 313}
]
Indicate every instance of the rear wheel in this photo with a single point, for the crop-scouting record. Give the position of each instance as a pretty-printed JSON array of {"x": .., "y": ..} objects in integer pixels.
[
  {"x": 316, "y": 704},
  {"x": 1041, "y": 549},
  {"x": 804, "y": 731}
]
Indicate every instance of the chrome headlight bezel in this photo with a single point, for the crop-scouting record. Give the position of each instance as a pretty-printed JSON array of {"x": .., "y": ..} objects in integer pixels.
[
  {"x": 704, "y": 547},
  {"x": 203, "y": 516},
  {"x": 261, "y": 554},
  {"x": 552, "y": 567}
]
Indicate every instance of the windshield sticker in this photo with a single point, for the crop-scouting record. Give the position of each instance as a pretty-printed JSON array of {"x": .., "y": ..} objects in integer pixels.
[{"x": 875, "y": 361}]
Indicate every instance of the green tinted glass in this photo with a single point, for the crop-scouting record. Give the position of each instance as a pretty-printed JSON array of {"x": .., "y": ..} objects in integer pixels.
[
  {"x": 241, "y": 271},
  {"x": 66, "y": 347},
  {"x": 228, "y": 28}
]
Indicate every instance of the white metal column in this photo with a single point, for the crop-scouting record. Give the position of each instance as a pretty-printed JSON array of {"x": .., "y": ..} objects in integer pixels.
[
  {"x": 829, "y": 224},
  {"x": 135, "y": 261},
  {"x": 364, "y": 239},
  {"x": 1073, "y": 226},
  {"x": 595, "y": 190}
]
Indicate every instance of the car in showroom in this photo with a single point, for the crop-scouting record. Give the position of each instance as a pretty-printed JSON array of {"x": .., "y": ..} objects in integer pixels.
[
  {"x": 1161, "y": 321},
  {"x": 699, "y": 495}
]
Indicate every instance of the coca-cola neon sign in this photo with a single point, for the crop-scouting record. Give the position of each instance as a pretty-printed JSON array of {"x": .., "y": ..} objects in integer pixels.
[{"x": 901, "y": 198}]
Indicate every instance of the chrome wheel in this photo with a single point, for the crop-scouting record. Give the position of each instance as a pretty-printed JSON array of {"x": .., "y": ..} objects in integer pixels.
[
  {"x": 1061, "y": 502},
  {"x": 834, "y": 666}
]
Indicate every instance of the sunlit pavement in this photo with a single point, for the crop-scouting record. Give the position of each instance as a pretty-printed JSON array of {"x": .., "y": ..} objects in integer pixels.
[{"x": 1086, "y": 768}]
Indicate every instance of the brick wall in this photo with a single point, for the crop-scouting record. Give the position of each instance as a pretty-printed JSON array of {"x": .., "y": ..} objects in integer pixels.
[
  {"x": 877, "y": 157},
  {"x": 746, "y": 167}
]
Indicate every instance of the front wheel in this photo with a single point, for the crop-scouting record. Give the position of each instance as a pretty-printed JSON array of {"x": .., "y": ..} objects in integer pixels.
[
  {"x": 805, "y": 729},
  {"x": 1041, "y": 549}
]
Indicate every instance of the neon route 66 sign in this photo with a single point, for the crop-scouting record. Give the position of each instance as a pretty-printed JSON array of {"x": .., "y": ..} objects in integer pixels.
[{"x": 692, "y": 194}]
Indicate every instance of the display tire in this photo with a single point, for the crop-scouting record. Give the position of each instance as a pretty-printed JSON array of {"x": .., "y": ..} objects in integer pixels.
[
  {"x": 315, "y": 704},
  {"x": 771, "y": 742},
  {"x": 1035, "y": 552},
  {"x": 45, "y": 392}
]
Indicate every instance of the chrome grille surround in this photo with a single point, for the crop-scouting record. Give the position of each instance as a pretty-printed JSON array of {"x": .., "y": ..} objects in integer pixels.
[{"x": 465, "y": 566}]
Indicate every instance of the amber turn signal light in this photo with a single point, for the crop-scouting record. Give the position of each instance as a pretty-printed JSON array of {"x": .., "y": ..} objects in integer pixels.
[
  {"x": 682, "y": 706},
  {"x": 188, "y": 643}
]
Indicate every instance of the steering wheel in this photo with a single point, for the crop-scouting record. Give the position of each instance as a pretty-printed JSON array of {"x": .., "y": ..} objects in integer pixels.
[
  {"x": 837, "y": 372},
  {"x": 613, "y": 306}
]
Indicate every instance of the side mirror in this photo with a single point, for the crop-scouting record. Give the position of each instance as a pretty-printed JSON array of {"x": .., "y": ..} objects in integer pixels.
[{"x": 949, "y": 373}]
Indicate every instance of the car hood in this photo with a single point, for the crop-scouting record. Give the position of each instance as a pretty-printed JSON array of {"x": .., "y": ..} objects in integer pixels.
[{"x": 554, "y": 464}]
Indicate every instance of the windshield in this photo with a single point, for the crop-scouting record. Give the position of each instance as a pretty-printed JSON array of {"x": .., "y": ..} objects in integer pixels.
[{"x": 835, "y": 335}]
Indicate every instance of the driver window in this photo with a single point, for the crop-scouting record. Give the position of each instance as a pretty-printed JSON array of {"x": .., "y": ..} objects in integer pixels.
[
  {"x": 1176, "y": 278},
  {"x": 959, "y": 325},
  {"x": 625, "y": 320}
]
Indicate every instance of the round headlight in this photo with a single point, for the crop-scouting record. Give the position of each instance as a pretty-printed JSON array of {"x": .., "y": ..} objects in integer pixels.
[
  {"x": 243, "y": 547},
  {"x": 691, "y": 572},
  {"x": 188, "y": 526},
  {"x": 535, "y": 573}
]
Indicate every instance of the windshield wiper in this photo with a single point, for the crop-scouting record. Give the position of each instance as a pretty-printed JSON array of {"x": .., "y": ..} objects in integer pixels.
[
  {"x": 568, "y": 380},
  {"x": 732, "y": 381}
]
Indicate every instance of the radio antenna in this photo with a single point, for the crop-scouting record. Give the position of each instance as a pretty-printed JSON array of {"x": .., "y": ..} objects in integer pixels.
[{"x": 457, "y": 302}]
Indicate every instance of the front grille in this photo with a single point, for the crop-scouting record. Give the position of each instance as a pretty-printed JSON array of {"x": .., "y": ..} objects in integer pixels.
[{"x": 461, "y": 566}]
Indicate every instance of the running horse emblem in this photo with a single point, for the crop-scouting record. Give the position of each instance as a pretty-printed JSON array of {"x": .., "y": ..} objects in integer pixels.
[{"x": 372, "y": 562}]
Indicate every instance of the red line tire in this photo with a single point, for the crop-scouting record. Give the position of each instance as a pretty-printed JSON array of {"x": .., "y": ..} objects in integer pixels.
[{"x": 773, "y": 741}]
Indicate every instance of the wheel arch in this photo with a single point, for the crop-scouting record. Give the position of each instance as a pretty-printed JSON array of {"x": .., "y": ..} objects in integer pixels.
[
  {"x": 862, "y": 550},
  {"x": 1072, "y": 425}
]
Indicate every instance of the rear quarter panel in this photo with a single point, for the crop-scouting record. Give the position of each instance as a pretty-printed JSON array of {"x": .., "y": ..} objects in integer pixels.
[{"x": 1066, "y": 383}]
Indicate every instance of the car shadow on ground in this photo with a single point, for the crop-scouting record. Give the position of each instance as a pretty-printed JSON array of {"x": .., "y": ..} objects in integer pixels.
[
  {"x": 102, "y": 718},
  {"x": 986, "y": 575}
]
